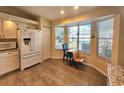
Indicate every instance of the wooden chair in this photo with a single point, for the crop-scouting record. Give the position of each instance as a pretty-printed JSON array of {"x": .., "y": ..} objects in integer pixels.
[
  {"x": 75, "y": 59},
  {"x": 65, "y": 48}
]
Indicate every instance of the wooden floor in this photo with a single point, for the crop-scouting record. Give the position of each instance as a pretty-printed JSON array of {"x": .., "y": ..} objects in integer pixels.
[{"x": 54, "y": 73}]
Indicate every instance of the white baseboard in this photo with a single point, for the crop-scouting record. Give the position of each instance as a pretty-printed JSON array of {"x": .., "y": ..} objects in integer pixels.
[{"x": 96, "y": 69}]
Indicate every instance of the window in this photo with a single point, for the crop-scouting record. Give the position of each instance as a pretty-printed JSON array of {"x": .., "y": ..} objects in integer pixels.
[
  {"x": 105, "y": 36},
  {"x": 59, "y": 37},
  {"x": 73, "y": 37},
  {"x": 84, "y": 37}
]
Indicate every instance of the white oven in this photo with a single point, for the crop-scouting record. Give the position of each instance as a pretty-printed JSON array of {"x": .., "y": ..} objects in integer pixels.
[{"x": 7, "y": 45}]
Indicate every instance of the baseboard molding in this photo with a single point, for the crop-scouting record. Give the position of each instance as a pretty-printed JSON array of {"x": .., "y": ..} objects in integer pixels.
[
  {"x": 96, "y": 69},
  {"x": 56, "y": 57}
]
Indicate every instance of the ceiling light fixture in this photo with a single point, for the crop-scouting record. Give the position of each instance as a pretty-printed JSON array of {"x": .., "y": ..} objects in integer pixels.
[
  {"x": 76, "y": 7},
  {"x": 62, "y": 12}
]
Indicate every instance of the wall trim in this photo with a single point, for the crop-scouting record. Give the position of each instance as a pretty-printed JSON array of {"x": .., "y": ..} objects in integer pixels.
[{"x": 96, "y": 68}]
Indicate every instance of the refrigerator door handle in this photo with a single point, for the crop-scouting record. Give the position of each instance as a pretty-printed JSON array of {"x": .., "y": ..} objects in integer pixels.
[{"x": 26, "y": 56}]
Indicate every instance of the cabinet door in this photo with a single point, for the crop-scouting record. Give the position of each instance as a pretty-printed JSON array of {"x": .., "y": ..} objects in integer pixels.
[
  {"x": 27, "y": 26},
  {"x": 37, "y": 41},
  {"x": 46, "y": 43},
  {"x": 10, "y": 29},
  {"x": 1, "y": 26},
  {"x": 30, "y": 26},
  {"x": 9, "y": 62}
]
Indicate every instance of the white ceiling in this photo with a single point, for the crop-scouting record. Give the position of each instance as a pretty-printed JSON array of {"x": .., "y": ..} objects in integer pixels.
[{"x": 53, "y": 12}]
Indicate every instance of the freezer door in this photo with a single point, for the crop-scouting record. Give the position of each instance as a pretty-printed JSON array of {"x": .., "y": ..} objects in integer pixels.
[
  {"x": 29, "y": 60},
  {"x": 37, "y": 41}
]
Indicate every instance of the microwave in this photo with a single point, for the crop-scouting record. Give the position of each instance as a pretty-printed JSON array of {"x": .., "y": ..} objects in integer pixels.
[{"x": 7, "y": 45}]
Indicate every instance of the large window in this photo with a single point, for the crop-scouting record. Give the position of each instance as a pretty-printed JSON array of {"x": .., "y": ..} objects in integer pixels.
[
  {"x": 105, "y": 36},
  {"x": 79, "y": 37},
  {"x": 84, "y": 37},
  {"x": 73, "y": 37},
  {"x": 59, "y": 37}
]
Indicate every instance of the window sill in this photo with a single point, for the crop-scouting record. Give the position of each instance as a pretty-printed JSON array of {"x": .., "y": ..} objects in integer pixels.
[
  {"x": 104, "y": 59},
  {"x": 99, "y": 57}
]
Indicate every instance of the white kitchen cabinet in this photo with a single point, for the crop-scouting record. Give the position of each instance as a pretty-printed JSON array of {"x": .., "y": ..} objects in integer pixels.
[
  {"x": 9, "y": 61},
  {"x": 27, "y": 26},
  {"x": 46, "y": 43},
  {"x": 30, "y": 26},
  {"x": 10, "y": 29}
]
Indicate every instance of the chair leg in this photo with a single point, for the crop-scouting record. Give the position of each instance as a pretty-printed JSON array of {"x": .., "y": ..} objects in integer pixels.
[
  {"x": 70, "y": 62},
  {"x": 76, "y": 65},
  {"x": 63, "y": 58}
]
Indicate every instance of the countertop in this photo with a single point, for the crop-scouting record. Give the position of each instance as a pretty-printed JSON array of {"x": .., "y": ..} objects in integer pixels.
[{"x": 116, "y": 75}]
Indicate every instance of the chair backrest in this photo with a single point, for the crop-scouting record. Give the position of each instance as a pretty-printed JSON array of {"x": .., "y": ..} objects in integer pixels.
[{"x": 65, "y": 46}]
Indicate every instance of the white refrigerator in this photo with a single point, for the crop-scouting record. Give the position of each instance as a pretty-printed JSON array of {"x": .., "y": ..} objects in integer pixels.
[{"x": 30, "y": 47}]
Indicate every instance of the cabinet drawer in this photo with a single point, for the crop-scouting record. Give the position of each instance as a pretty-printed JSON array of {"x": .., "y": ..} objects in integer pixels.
[
  {"x": 30, "y": 60},
  {"x": 6, "y": 54}
]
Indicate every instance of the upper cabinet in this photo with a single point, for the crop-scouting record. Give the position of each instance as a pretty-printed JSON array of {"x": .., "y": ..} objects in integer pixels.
[
  {"x": 10, "y": 23},
  {"x": 30, "y": 26},
  {"x": 27, "y": 26},
  {"x": 9, "y": 29}
]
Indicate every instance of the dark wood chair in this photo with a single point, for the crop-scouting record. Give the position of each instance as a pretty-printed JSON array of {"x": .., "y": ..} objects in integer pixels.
[
  {"x": 65, "y": 49},
  {"x": 75, "y": 59}
]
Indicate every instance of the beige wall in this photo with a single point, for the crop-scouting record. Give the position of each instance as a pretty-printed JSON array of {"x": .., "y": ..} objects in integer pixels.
[{"x": 92, "y": 58}]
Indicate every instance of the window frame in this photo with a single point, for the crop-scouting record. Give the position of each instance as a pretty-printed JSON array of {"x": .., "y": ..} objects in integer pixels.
[
  {"x": 77, "y": 34},
  {"x": 97, "y": 41},
  {"x": 84, "y": 52},
  {"x": 61, "y": 38}
]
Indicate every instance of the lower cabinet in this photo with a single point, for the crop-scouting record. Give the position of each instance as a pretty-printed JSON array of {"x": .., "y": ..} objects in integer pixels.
[{"x": 9, "y": 61}]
